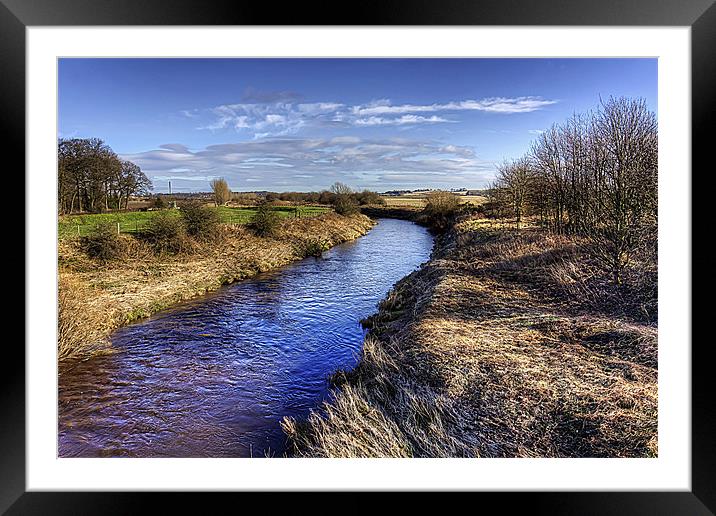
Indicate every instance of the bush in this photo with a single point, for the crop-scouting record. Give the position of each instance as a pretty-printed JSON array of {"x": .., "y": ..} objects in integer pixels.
[
  {"x": 311, "y": 247},
  {"x": 166, "y": 233},
  {"x": 200, "y": 221},
  {"x": 441, "y": 208},
  {"x": 159, "y": 203},
  {"x": 345, "y": 205},
  {"x": 442, "y": 203},
  {"x": 265, "y": 221},
  {"x": 103, "y": 243},
  {"x": 367, "y": 197},
  {"x": 248, "y": 199}
]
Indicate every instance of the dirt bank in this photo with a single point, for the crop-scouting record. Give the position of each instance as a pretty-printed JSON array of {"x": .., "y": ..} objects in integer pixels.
[
  {"x": 506, "y": 344},
  {"x": 96, "y": 298}
]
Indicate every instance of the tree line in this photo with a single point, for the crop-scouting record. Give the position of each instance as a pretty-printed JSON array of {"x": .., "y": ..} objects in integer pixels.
[
  {"x": 338, "y": 194},
  {"x": 92, "y": 178},
  {"x": 595, "y": 176}
]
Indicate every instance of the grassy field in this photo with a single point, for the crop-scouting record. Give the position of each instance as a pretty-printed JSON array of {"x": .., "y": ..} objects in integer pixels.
[
  {"x": 131, "y": 222},
  {"x": 508, "y": 343}
]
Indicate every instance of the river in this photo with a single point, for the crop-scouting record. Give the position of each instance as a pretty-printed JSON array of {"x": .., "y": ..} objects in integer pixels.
[{"x": 213, "y": 377}]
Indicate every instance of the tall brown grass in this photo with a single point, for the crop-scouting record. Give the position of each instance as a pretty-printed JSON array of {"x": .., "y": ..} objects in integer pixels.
[
  {"x": 506, "y": 344},
  {"x": 80, "y": 328}
]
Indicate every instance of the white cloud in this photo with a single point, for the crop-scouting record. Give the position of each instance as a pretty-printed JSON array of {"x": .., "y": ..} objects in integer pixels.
[
  {"x": 315, "y": 163},
  {"x": 401, "y": 120},
  {"x": 493, "y": 104},
  {"x": 283, "y": 118}
]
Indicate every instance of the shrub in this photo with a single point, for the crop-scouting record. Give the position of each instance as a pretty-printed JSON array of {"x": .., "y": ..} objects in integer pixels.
[
  {"x": 345, "y": 205},
  {"x": 326, "y": 197},
  {"x": 159, "y": 203},
  {"x": 200, "y": 221},
  {"x": 442, "y": 203},
  {"x": 441, "y": 208},
  {"x": 249, "y": 199},
  {"x": 311, "y": 247},
  {"x": 265, "y": 221},
  {"x": 166, "y": 233},
  {"x": 103, "y": 243},
  {"x": 367, "y": 197}
]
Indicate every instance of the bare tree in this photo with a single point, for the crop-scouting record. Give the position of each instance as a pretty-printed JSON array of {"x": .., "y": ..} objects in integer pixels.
[
  {"x": 222, "y": 192},
  {"x": 339, "y": 188},
  {"x": 549, "y": 162},
  {"x": 594, "y": 176},
  {"x": 515, "y": 180},
  {"x": 625, "y": 195}
]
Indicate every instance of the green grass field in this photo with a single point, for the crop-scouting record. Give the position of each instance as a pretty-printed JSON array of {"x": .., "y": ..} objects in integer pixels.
[{"x": 131, "y": 222}]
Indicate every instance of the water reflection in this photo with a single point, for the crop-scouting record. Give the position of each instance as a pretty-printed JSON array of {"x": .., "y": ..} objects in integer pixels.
[{"x": 215, "y": 376}]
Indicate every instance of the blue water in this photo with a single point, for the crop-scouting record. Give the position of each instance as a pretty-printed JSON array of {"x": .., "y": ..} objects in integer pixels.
[{"x": 215, "y": 376}]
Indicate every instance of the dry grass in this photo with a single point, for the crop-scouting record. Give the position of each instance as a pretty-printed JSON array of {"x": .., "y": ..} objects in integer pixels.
[
  {"x": 507, "y": 344},
  {"x": 81, "y": 328},
  {"x": 419, "y": 201},
  {"x": 96, "y": 298},
  {"x": 416, "y": 203}
]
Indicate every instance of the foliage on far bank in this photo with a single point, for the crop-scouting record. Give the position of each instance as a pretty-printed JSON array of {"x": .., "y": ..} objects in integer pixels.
[
  {"x": 104, "y": 243},
  {"x": 96, "y": 298},
  {"x": 265, "y": 221},
  {"x": 343, "y": 200},
  {"x": 166, "y": 233},
  {"x": 440, "y": 210},
  {"x": 201, "y": 221}
]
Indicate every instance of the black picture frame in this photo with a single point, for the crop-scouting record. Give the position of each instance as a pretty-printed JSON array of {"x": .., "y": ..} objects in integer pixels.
[{"x": 700, "y": 15}]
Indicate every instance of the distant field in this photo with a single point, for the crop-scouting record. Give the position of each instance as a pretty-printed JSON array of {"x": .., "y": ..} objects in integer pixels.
[
  {"x": 405, "y": 202},
  {"x": 418, "y": 201},
  {"x": 132, "y": 222}
]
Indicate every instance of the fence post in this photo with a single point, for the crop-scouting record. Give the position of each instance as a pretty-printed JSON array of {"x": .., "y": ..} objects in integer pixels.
[
  {"x": 78, "y": 230},
  {"x": 118, "y": 228}
]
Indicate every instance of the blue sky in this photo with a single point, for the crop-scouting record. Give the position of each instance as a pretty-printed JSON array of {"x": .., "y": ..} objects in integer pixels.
[{"x": 302, "y": 124}]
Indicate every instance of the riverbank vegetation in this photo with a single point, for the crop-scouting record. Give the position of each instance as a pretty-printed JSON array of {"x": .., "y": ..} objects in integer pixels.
[
  {"x": 595, "y": 176},
  {"x": 507, "y": 343},
  {"x": 138, "y": 275},
  {"x": 70, "y": 226},
  {"x": 532, "y": 331}
]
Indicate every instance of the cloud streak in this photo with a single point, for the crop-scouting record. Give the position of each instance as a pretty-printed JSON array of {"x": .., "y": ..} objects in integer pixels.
[
  {"x": 490, "y": 105},
  {"x": 290, "y": 163},
  {"x": 276, "y": 114}
]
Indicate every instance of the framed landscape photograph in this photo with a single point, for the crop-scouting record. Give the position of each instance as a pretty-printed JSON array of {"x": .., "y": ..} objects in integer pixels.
[{"x": 445, "y": 248}]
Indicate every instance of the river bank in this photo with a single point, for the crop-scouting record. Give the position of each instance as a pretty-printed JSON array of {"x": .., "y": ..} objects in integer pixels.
[
  {"x": 214, "y": 376},
  {"x": 505, "y": 344},
  {"x": 95, "y": 298}
]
